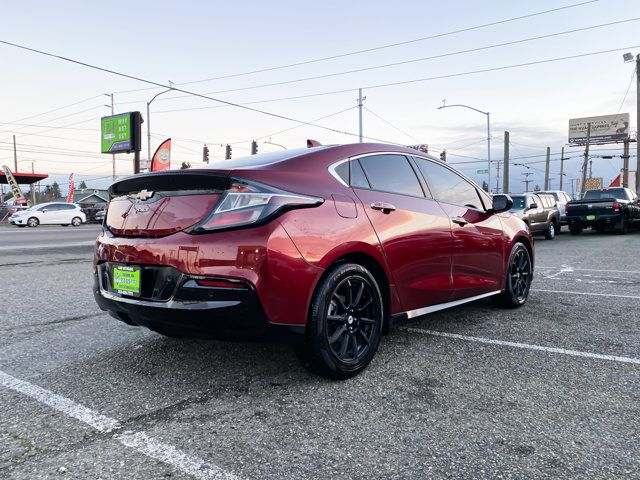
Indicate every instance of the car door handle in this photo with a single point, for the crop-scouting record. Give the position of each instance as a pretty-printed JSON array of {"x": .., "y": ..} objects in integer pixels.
[
  {"x": 460, "y": 221},
  {"x": 383, "y": 207}
]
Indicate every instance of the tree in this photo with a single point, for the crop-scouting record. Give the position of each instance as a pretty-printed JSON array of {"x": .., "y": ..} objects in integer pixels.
[
  {"x": 185, "y": 165},
  {"x": 82, "y": 185},
  {"x": 55, "y": 190}
]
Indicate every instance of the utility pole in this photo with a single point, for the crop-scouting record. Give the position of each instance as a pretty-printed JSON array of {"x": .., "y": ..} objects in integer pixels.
[
  {"x": 526, "y": 180},
  {"x": 505, "y": 179},
  {"x": 546, "y": 169},
  {"x": 113, "y": 155},
  {"x": 15, "y": 155},
  {"x": 573, "y": 190},
  {"x": 33, "y": 188},
  {"x": 360, "y": 99},
  {"x": 561, "y": 167},
  {"x": 585, "y": 162},
  {"x": 637, "y": 119},
  {"x": 625, "y": 164},
  {"x": 498, "y": 177}
]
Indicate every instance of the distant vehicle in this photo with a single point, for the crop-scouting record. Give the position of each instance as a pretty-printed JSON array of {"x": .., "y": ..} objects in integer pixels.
[
  {"x": 607, "y": 208},
  {"x": 562, "y": 198},
  {"x": 51, "y": 213},
  {"x": 539, "y": 211},
  {"x": 99, "y": 216}
]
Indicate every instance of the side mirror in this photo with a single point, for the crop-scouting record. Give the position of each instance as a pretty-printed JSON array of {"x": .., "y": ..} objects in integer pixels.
[
  {"x": 502, "y": 203},
  {"x": 44, "y": 211},
  {"x": 533, "y": 205}
]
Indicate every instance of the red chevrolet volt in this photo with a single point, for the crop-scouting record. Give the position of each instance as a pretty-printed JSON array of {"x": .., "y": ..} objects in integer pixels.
[{"x": 325, "y": 246}]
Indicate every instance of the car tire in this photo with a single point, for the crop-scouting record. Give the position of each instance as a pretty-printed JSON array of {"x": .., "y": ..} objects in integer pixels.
[
  {"x": 519, "y": 278},
  {"x": 76, "y": 221},
  {"x": 20, "y": 226},
  {"x": 575, "y": 230},
  {"x": 550, "y": 232},
  {"x": 33, "y": 222},
  {"x": 623, "y": 229},
  {"x": 345, "y": 323}
]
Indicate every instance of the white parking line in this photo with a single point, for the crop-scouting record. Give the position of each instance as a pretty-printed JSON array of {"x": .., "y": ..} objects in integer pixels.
[
  {"x": 571, "y": 269},
  {"x": 140, "y": 442},
  {"x": 490, "y": 341},
  {"x": 635, "y": 297},
  {"x": 55, "y": 245}
]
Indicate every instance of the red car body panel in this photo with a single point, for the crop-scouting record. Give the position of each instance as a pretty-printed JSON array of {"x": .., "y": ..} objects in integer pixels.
[{"x": 426, "y": 258}]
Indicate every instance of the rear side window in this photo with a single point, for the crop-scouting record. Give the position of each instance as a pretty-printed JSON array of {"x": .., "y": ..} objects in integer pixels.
[
  {"x": 68, "y": 206},
  {"x": 449, "y": 187},
  {"x": 391, "y": 173},
  {"x": 358, "y": 178}
]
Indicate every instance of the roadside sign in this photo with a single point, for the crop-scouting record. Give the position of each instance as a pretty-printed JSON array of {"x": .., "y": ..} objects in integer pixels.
[
  {"x": 604, "y": 128},
  {"x": 482, "y": 171},
  {"x": 121, "y": 133},
  {"x": 593, "y": 183},
  {"x": 423, "y": 147}
]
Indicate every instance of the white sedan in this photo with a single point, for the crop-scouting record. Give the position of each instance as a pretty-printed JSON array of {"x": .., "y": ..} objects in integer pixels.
[{"x": 51, "y": 213}]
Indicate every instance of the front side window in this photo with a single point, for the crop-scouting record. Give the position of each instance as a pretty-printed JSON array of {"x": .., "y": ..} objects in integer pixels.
[
  {"x": 391, "y": 173},
  {"x": 449, "y": 187}
]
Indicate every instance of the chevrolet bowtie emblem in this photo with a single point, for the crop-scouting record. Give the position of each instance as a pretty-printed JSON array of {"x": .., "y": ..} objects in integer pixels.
[{"x": 144, "y": 195}]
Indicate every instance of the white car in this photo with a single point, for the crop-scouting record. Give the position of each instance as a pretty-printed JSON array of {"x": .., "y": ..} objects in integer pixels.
[
  {"x": 51, "y": 213},
  {"x": 562, "y": 198}
]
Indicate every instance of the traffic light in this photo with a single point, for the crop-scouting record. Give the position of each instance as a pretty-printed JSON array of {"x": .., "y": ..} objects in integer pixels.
[
  {"x": 227, "y": 152},
  {"x": 443, "y": 156},
  {"x": 205, "y": 154},
  {"x": 254, "y": 148}
]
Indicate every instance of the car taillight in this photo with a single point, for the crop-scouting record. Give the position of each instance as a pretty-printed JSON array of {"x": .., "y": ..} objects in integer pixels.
[
  {"x": 616, "y": 205},
  {"x": 247, "y": 203},
  {"x": 566, "y": 208}
]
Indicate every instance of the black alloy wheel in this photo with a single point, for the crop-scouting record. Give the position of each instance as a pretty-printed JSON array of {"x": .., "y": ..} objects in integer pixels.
[
  {"x": 519, "y": 278},
  {"x": 345, "y": 322}
]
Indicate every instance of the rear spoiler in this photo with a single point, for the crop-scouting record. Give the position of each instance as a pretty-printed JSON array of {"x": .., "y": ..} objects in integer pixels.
[{"x": 171, "y": 180}]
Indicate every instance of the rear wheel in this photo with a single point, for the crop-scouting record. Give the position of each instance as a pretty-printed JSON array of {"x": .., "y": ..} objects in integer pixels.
[
  {"x": 33, "y": 222},
  {"x": 575, "y": 229},
  {"x": 345, "y": 323},
  {"x": 76, "y": 221},
  {"x": 623, "y": 229},
  {"x": 519, "y": 277},
  {"x": 550, "y": 232}
]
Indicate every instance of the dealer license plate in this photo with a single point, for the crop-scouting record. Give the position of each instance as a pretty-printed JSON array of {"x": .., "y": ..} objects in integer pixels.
[
  {"x": 591, "y": 217},
  {"x": 126, "y": 280}
]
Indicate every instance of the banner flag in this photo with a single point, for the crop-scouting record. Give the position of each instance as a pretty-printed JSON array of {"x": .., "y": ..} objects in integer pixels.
[
  {"x": 19, "y": 198},
  {"x": 72, "y": 188},
  {"x": 162, "y": 157}
]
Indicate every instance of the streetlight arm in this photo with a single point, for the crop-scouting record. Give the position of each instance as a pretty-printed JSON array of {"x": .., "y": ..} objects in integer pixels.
[{"x": 465, "y": 106}]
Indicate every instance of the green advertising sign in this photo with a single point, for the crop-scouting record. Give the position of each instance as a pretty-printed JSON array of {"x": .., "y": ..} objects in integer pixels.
[
  {"x": 120, "y": 133},
  {"x": 482, "y": 171}
]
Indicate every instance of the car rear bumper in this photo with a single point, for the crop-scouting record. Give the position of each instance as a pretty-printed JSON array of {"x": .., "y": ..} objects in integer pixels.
[
  {"x": 602, "y": 221},
  {"x": 195, "y": 311}
]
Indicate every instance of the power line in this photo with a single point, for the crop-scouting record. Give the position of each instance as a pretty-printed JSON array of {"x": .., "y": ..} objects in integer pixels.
[
  {"x": 132, "y": 77},
  {"x": 405, "y": 62},
  {"x": 382, "y": 47},
  {"x": 56, "y": 109},
  {"x": 392, "y": 125}
]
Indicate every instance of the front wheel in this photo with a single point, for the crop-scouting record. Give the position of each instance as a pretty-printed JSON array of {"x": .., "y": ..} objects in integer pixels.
[
  {"x": 623, "y": 229},
  {"x": 345, "y": 323},
  {"x": 550, "y": 232},
  {"x": 519, "y": 278},
  {"x": 33, "y": 222},
  {"x": 76, "y": 222}
]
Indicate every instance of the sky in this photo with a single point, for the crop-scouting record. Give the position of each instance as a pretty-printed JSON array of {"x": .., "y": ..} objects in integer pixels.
[{"x": 53, "y": 107}]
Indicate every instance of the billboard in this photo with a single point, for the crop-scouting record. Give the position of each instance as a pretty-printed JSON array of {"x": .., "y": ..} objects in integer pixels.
[
  {"x": 605, "y": 128},
  {"x": 120, "y": 133},
  {"x": 593, "y": 183}
]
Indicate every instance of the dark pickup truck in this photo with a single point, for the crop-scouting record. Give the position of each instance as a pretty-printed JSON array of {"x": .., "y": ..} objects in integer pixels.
[{"x": 607, "y": 208}]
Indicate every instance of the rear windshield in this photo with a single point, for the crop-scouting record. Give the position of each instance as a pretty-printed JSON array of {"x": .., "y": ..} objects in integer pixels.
[
  {"x": 604, "y": 194},
  {"x": 553, "y": 194},
  {"x": 519, "y": 202}
]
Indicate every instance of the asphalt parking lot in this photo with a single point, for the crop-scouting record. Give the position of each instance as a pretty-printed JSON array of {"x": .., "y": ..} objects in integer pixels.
[{"x": 551, "y": 390}]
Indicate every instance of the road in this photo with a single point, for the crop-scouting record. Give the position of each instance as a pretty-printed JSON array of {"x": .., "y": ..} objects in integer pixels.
[
  {"x": 43, "y": 236},
  {"x": 550, "y": 390}
]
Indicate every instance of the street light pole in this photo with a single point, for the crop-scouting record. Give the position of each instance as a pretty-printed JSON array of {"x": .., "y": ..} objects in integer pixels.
[
  {"x": 637, "y": 119},
  {"x": 149, "y": 120},
  {"x": 488, "y": 135}
]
